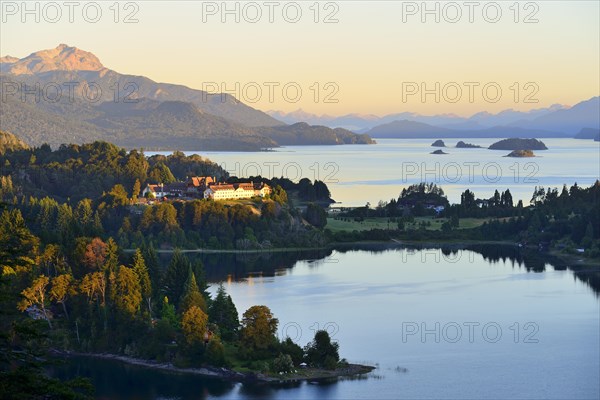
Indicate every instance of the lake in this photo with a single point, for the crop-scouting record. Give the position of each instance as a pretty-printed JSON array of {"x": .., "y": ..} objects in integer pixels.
[
  {"x": 357, "y": 174},
  {"x": 485, "y": 322}
]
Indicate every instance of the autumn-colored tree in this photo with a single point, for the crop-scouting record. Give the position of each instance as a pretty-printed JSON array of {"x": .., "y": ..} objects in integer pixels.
[
  {"x": 62, "y": 287},
  {"x": 52, "y": 261},
  {"x": 139, "y": 266},
  {"x": 95, "y": 254},
  {"x": 193, "y": 323},
  {"x": 127, "y": 290},
  {"x": 258, "y": 328},
  {"x": 35, "y": 295},
  {"x": 93, "y": 285}
]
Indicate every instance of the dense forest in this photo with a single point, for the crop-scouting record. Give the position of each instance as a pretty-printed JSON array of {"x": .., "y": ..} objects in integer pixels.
[
  {"x": 83, "y": 300},
  {"x": 78, "y": 192},
  {"x": 67, "y": 218}
]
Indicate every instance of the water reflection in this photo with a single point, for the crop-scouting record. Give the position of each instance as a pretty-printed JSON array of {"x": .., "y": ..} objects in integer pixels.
[
  {"x": 230, "y": 267},
  {"x": 227, "y": 267},
  {"x": 387, "y": 285},
  {"x": 116, "y": 380}
]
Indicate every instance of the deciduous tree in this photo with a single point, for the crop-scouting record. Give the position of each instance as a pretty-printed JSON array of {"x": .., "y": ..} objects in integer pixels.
[
  {"x": 35, "y": 295},
  {"x": 62, "y": 287},
  {"x": 193, "y": 323},
  {"x": 258, "y": 328}
]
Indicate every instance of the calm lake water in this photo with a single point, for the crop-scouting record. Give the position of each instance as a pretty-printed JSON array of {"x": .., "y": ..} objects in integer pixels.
[
  {"x": 484, "y": 323},
  {"x": 359, "y": 174}
]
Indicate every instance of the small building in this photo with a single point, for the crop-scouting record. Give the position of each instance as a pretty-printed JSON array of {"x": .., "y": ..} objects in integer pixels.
[
  {"x": 156, "y": 191},
  {"x": 176, "y": 189},
  {"x": 196, "y": 185}
]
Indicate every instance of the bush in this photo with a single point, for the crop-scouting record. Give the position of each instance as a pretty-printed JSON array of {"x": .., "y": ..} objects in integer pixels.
[
  {"x": 330, "y": 363},
  {"x": 283, "y": 363},
  {"x": 293, "y": 350},
  {"x": 215, "y": 353}
]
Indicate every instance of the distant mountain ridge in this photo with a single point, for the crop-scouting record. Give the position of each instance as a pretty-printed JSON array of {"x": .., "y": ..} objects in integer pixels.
[
  {"x": 144, "y": 113},
  {"x": 362, "y": 123},
  {"x": 406, "y": 129},
  {"x": 70, "y": 64},
  {"x": 554, "y": 121}
]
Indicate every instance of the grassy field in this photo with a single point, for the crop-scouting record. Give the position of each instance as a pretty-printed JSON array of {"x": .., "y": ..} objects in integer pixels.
[{"x": 382, "y": 223}]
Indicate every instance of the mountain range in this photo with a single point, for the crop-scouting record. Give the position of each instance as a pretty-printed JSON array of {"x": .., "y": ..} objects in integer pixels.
[
  {"x": 555, "y": 121},
  {"x": 134, "y": 111}
]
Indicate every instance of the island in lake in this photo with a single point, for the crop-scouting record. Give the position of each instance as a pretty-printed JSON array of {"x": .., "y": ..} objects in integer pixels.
[
  {"x": 438, "y": 152},
  {"x": 438, "y": 143},
  {"x": 463, "y": 145},
  {"x": 520, "y": 153},
  {"x": 518, "y": 144}
]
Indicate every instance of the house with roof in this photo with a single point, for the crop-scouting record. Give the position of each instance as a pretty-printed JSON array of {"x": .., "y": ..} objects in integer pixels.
[
  {"x": 175, "y": 189},
  {"x": 156, "y": 191},
  {"x": 196, "y": 185}
]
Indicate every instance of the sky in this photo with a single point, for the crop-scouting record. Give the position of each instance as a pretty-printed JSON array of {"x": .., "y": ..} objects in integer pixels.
[{"x": 337, "y": 57}]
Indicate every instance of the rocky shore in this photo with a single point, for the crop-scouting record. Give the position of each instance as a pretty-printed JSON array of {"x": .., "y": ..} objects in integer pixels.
[{"x": 302, "y": 374}]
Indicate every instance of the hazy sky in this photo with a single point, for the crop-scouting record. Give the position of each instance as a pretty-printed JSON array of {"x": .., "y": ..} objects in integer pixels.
[{"x": 375, "y": 59}]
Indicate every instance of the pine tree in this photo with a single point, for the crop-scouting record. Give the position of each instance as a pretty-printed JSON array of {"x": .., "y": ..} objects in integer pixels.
[
  {"x": 18, "y": 246},
  {"x": 127, "y": 290},
  {"x": 191, "y": 295},
  {"x": 200, "y": 275},
  {"x": 153, "y": 266},
  {"x": 139, "y": 266},
  {"x": 167, "y": 313},
  {"x": 135, "y": 192},
  {"x": 112, "y": 256},
  {"x": 175, "y": 277},
  {"x": 224, "y": 314}
]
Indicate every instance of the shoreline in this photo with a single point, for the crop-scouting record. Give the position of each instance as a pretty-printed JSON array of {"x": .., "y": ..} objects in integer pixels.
[
  {"x": 307, "y": 374},
  {"x": 235, "y": 251},
  {"x": 575, "y": 259}
]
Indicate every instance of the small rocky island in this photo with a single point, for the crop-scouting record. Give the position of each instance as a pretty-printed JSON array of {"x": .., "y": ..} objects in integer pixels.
[
  {"x": 438, "y": 143},
  {"x": 438, "y": 152},
  {"x": 463, "y": 145},
  {"x": 518, "y": 144},
  {"x": 520, "y": 153}
]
